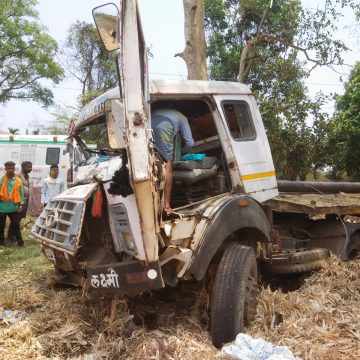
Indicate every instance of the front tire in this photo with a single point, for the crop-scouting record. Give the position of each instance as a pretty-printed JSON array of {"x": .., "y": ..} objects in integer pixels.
[{"x": 233, "y": 303}]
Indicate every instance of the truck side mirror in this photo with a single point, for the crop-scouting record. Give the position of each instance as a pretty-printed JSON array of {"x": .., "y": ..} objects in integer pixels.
[{"x": 106, "y": 20}]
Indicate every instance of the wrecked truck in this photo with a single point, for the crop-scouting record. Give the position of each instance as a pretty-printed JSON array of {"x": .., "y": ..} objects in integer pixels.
[{"x": 107, "y": 232}]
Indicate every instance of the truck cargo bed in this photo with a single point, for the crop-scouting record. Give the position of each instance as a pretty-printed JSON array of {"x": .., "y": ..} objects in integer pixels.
[{"x": 317, "y": 204}]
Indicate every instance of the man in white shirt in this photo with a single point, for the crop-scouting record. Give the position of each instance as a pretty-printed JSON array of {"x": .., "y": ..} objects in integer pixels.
[{"x": 52, "y": 185}]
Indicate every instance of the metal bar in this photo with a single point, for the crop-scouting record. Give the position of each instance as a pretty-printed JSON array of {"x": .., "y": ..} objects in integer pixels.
[
  {"x": 318, "y": 187},
  {"x": 53, "y": 230},
  {"x": 66, "y": 211},
  {"x": 68, "y": 223}
]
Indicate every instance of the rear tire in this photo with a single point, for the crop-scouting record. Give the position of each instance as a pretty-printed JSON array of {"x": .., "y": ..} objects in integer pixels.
[
  {"x": 233, "y": 302},
  {"x": 287, "y": 269},
  {"x": 296, "y": 262}
]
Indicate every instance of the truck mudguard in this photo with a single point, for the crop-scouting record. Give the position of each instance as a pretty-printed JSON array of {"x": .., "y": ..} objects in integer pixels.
[{"x": 236, "y": 214}]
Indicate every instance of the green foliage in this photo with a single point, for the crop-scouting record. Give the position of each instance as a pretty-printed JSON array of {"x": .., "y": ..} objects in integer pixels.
[
  {"x": 26, "y": 54},
  {"x": 96, "y": 134},
  {"x": 86, "y": 58},
  {"x": 278, "y": 43},
  {"x": 345, "y": 137},
  {"x": 60, "y": 124},
  {"x": 91, "y": 95},
  {"x": 13, "y": 131}
]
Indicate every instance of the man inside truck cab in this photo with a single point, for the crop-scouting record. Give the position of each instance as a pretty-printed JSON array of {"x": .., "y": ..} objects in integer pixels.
[{"x": 167, "y": 124}]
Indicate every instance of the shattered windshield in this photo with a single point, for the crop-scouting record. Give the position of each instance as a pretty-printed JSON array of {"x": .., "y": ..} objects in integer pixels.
[
  {"x": 95, "y": 140},
  {"x": 96, "y": 135}
]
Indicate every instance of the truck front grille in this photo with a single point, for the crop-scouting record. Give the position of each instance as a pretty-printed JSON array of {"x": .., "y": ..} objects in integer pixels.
[{"x": 60, "y": 223}]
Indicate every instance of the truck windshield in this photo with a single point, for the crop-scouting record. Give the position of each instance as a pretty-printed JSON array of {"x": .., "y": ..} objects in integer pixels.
[{"x": 95, "y": 139}]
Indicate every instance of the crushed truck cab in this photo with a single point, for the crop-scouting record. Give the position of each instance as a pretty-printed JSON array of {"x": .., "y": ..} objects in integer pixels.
[{"x": 214, "y": 198}]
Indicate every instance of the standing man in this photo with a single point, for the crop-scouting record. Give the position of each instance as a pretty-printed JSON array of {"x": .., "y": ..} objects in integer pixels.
[
  {"x": 52, "y": 185},
  {"x": 26, "y": 168},
  {"x": 166, "y": 124},
  {"x": 11, "y": 202}
]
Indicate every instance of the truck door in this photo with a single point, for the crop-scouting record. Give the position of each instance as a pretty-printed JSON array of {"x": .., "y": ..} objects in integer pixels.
[
  {"x": 248, "y": 141},
  {"x": 132, "y": 66}
]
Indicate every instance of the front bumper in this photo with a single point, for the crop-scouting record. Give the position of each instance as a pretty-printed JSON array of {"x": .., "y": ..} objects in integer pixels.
[{"x": 130, "y": 276}]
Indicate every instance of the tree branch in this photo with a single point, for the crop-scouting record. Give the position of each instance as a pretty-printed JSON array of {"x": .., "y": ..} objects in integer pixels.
[{"x": 250, "y": 44}]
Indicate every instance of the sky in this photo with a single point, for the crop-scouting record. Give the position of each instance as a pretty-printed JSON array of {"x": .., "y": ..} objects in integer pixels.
[{"x": 163, "y": 24}]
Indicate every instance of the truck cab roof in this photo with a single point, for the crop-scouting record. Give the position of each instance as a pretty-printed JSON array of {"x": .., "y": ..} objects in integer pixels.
[{"x": 96, "y": 107}]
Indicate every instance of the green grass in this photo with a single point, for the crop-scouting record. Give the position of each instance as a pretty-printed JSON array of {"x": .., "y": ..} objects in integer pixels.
[
  {"x": 26, "y": 260},
  {"x": 23, "y": 270}
]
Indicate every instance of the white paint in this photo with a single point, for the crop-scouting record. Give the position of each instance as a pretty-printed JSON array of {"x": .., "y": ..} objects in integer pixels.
[
  {"x": 182, "y": 229},
  {"x": 102, "y": 171},
  {"x": 109, "y": 280},
  {"x": 183, "y": 255},
  {"x": 251, "y": 156},
  {"x": 167, "y": 229},
  {"x": 80, "y": 192},
  {"x": 133, "y": 215}
]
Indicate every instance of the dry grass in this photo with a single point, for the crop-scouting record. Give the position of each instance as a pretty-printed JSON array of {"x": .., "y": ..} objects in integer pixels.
[{"x": 320, "y": 320}]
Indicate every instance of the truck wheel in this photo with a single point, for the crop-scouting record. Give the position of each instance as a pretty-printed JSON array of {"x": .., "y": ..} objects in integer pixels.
[
  {"x": 233, "y": 302},
  {"x": 296, "y": 262}
]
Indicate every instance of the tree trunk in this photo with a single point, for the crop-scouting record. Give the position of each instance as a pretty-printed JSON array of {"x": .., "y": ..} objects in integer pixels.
[{"x": 194, "y": 53}]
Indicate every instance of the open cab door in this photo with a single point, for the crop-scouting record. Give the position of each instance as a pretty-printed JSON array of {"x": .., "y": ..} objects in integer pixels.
[{"x": 121, "y": 29}]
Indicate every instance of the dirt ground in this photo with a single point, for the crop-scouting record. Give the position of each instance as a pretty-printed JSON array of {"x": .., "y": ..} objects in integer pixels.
[{"x": 317, "y": 316}]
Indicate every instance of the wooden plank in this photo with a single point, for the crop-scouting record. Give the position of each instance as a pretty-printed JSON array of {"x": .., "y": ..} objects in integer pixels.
[{"x": 317, "y": 204}]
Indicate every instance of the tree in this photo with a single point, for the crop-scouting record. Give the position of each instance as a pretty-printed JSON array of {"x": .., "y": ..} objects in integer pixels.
[
  {"x": 194, "y": 53},
  {"x": 345, "y": 137},
  {"x": 26, "y": 54},
  {"x": 248, "y": 33},
  {"x": 270, "y": 48},
  {"x": 13, "y": 131},
  {"x": 84, "y": 57},
  {"x": 60, "y": 124}
]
